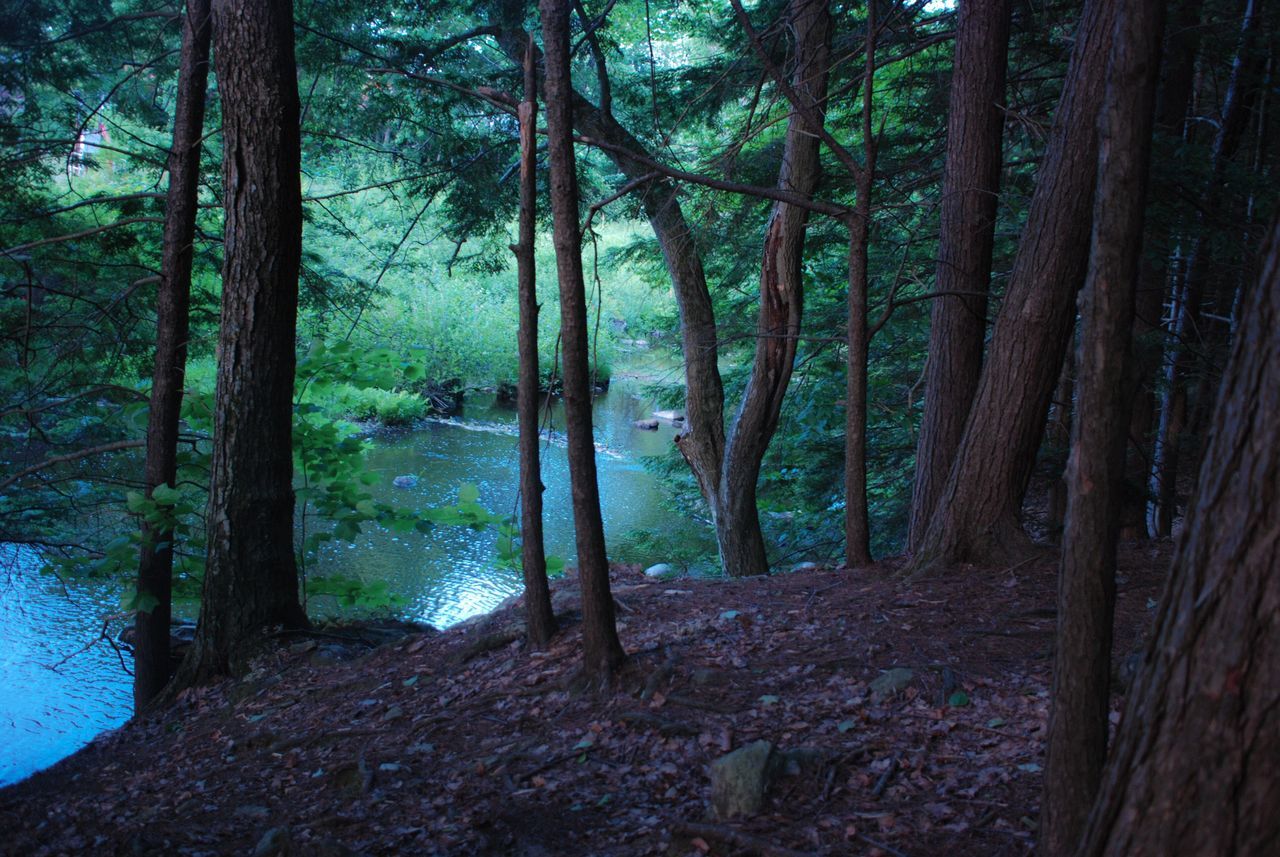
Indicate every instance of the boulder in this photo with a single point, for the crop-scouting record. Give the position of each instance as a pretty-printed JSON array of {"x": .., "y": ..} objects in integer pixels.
[
  {"x": 670, "y": 416},
  {"x": 740, "y": 779},
  {"x": 662, "y": 569},
  {"x": 406, "y": 481},
  {"x": 646, "y": 425}
]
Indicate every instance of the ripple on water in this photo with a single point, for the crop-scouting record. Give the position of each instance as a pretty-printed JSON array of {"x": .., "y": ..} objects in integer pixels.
[{"x": 58, "y": 688}]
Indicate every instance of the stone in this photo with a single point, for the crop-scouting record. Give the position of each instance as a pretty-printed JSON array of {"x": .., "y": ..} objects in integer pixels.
[
  {"x": 646, "y": 425},
  {"x": 890, "y": 683},
  {"x": 805, "y": 566},
  {"x": 276, "y": 842},
  {"x": 406, "y": 481},
  {"x": 662, "y": 569},
  {"x": 669, "y": 416},
  {"x": 740, "y": 779}
]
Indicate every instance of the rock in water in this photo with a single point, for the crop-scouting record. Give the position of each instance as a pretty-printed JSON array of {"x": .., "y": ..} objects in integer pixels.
[
  {"x": 646, "y": 425},
  {"x": 406, "y": 481},
  {"x": 662, "y": 569},
  {"x": 740, "y": 779}
]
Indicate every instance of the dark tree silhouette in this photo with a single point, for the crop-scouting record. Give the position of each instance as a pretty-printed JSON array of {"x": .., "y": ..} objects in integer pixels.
[
  {"x": 251, "y": 577},
  {"x": 152, "y": 664},
  {"x": 602, "y": 651}
]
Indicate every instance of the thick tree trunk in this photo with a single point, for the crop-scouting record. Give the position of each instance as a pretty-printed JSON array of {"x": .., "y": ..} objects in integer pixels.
[
  {"x": 1194, "y": 767},
  {"x": 857, "y": 516},
  {"x": 781, "y": 297},
  {"x": 1057, "y": 441},
  {"x": 978, "y": 511},
  {"x": 251, "y": 578},
  {"x": 152, "y": 664},
  {"x": 539, "y": 617},
  {"x": 1095, "y": 470},
  {"x": 1179, "y": 359},
  {"x": 602, "y": 651},
  {"x": 970, "y": 189}
]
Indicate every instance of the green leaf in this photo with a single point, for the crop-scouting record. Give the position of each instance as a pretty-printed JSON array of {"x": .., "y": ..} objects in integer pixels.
[
  {"x": 959, "y": 699},
  {"x": 467, "y": 494}
]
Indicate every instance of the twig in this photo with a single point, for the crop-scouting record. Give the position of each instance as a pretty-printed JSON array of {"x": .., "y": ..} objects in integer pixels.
[{"x": 883, "y": 782}]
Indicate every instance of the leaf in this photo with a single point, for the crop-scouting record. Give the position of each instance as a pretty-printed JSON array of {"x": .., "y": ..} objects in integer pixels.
[
  {"x": 959, "y": 699},
  {"x": 845, "y": 726},
  {"x": 768, "y": 699},
  {"x": 467, "y": 494}
]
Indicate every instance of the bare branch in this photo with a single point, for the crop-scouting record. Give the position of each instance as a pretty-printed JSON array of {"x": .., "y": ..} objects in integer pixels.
[{"x": 116, "y": 446}]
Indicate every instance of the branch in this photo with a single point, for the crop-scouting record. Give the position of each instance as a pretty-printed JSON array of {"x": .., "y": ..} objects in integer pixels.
[
  {"x": 617, "y": 195},
  {"x": 30, "y": 245},
  {"x": 95, "y": 200},
  {"x": 72, "y": 456}
]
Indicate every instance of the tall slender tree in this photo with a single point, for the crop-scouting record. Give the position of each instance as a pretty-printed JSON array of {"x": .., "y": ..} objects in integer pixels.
[
  {"x": 1194, "y": 766},
  {"x": 155, "y": 566},
  {"x": 251, "y": 577},
  {"x": 977, "y": 515},
  {"x": 602, "y": 651},
  {"x": 1081, "y": 698},
  {"x": 539, "y": 617},
  {"x": 970, "y": 190}
]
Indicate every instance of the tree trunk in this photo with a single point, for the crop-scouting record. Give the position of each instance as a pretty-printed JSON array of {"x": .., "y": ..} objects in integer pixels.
[
  {"x": 1057, "y": 441},
  {"x": 1177, "y": 75},
  {"x": 1095, "y": 470},
  {"x": 977, "y": 514},
  {"x": 970, "y": 190},
  {"x": 857, "y": 517},
  {"x": 781, "y": 300},
  {"x": 1194, "y": 767},
  {"x": 602, "y": 651},
  {"x": 152, "y": 664},
  {"x": 251, "y": 577},
  {"x": 539, "y": 616},
  {"x": 1179, "y": 359}
]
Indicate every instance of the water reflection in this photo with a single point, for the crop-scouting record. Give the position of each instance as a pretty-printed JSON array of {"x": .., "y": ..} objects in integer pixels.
[{"x": 58, "y": 687}]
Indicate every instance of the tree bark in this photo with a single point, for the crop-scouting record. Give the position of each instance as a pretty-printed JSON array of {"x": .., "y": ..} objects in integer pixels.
[
  {"x": 1081, "y": 698},
  {"x": 970, "y": 191},
  {"x": 857, "y": 517},
  {"x": 539, "y": 616},
  {"x": 251, "y": 577},
  {"x": 977, "y": 515},
  {"x": 1194, "y": 767},
  {"x": 781, "y": 303},
  {"x": 152, "y": 664},
  {"x": 602, "y": 651},
  {"x": 1179, "y": 359}
]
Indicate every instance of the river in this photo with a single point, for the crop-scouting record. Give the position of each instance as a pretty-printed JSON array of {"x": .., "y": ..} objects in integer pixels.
[{"x": 59, "y": 688}]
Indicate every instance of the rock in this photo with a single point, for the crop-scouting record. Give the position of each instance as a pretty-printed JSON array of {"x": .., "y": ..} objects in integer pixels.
[
  {"x": 670, "y": 416},
  {"x": 647, "y": 425},
  {"x": 890, "y": 683},
  {"x": 662, "y": 569},
  {"x": 406, "y": 481},
  {"x": 276, "y": 841},
  {"x": 805, "y": 566},
  {"x": 739, "y": 780}
]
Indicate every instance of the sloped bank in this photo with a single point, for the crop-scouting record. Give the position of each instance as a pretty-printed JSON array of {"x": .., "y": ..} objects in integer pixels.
[{"x": 897, "y": 720}]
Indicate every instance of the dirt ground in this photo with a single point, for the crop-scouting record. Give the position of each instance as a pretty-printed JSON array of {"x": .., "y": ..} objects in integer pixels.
[{"x": 464, "y": 742}]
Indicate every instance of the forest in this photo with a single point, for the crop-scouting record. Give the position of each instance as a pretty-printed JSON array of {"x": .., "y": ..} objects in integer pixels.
[{"x": 774, "y": 427}]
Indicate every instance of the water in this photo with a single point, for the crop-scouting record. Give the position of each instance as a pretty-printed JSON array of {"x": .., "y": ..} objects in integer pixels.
[{"x": 59, "y": 688}]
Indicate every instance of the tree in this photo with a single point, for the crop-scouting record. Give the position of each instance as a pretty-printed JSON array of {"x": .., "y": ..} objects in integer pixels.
[
  {"x": 155, "y": 567},
  {"x": 977, "y": 514},
  {"x": 251, "y": 577},
  {"x": 537, "y": 596},
  {"x": 1193, "y": 770},
  {"x": 970, "y": 190},
  {"x": 602, "y": 651},
  {"x": 1081, "y": 698},
  {"x": 1185, "y": 321}
]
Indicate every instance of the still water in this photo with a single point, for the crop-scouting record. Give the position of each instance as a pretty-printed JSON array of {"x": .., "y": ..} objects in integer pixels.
[{"x": 58, "y": 688}]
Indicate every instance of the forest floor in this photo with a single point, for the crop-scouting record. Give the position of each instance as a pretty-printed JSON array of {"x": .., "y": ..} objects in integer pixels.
[{"x": 464, "y": 742}]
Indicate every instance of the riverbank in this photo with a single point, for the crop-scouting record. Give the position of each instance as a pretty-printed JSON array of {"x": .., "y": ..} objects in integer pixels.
[{"x": 900, "y": 719}]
